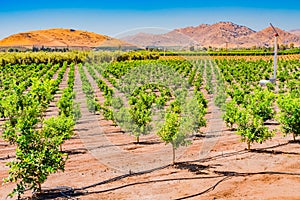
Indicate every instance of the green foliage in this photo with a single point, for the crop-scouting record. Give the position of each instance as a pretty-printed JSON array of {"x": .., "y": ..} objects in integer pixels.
[
  {"x": 108, "y": 95},
  {"x": 122, "y": 116},
  {"x": 108, "y": 113},
  {"x": 37, "y": 149},
  {"x": 251, "y": 128},
  {"x": 169, "y": 132},
  {"x": 32, "y": 167},
  {"x": 140, "y": 113},
  {"x": 142, "y": 55},
  {"x": 60, "y": 127},
  {"x": 24, "y": 99},
  {"x": 230, "y": 115},
  {"x": 173, "y": 130},
  {"x": 250, "y": 116},
  {"x": 209, "y": 85},
  {"x": 76, "y": 111},
  {"x": 255, "y": 51},
  {"x": 270, "y": 86},
  {"x": 261, "y": 104},
  {"x": 96, "y": 57},
  {"x": 42, "y": 91},
  {"x": 92, "y": 104},
  {"x": 65, "y": 103},
  {"x": 42, "y": 57},
  {"x": 192, "y": 113},
  {"x": 148, "y": 84},
  {"x": 289, "y": 115}
]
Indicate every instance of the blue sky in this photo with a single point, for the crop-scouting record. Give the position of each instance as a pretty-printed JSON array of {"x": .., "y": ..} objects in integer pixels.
[{"x": 115, "y": 17}]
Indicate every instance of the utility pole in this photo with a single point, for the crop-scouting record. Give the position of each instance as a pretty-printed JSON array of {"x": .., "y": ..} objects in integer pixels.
[{"x": 275, "y": 51}]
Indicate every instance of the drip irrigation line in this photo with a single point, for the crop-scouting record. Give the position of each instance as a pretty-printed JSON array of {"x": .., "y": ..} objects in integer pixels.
[
  {"x": 122, "y": 177},
  {"x": 154, "y": 181},
  {"x": 205, "y": 191}
]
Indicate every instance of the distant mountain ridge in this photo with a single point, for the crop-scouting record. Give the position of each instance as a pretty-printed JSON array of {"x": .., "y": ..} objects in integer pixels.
[{"x": 221, "y": 35}]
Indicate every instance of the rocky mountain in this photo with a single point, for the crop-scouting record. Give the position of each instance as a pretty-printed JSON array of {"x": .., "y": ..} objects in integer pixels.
[
  {"x": 171, "y": 39},
  {"x": 217, "y": 35},
  {"x": 222, "y": 34},
  {"x": 60, "y": 38},
  {"x": 295, "y": 32},
  {"x": 265, "y": 37}
]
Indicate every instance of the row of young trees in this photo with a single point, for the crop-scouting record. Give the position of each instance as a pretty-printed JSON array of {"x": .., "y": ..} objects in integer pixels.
[
  {"x": 37, "y": 139},
  {"x": 107, "y": 93},
  {"x": 250, "y": 116},
  {"x": 92, "y": 104},
  {"x": 155, "y": 89},
  {"x": 251, "y": 106},
  {"x": 28, "y": 58},
  {"x": 149, "y": 86},
  {"x": 141, "y": 102}
]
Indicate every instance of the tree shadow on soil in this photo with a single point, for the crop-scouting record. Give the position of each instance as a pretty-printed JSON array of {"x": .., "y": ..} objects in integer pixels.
[
  {"x": 76, "y": 151},
  {"x": 7, "y": 157},
  {"x": 147, "y": 142},
  {"x": 233, "y": 173},
  {"x": 294, "y": 142},
  {"x": 194, "y": 168},
  {"x": 274, "y": 152}
]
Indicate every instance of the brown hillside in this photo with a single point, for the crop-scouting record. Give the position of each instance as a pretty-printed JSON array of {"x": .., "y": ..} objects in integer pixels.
[
  {"x": 60, "y": 37},
  {"x": 265, "y": 37},
  {"x": 171, "y": 39},
  {"x": 218, "y": 34}
]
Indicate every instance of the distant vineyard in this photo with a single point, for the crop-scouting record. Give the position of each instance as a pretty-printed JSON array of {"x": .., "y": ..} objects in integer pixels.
[
  {"x": 231, "y": 52},
  {"x": 72, "y": 57}
]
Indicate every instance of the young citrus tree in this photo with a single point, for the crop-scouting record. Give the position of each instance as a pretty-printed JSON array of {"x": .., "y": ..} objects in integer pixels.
[
  {"x": 170, "y": 132},
  {"x": 261, "y": 103},
  {"x": 230, "y": 114},
  {"x": 60, "y": 127},
  {"x": 249, "y": 117},
  {"x": 140, "y": 113},
  {"x": 251, "y": 128},
  {"x": 289, "y": 115}
]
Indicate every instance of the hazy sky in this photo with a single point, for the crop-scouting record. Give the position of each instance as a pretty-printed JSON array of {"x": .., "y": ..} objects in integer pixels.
[{"x": 115, "y": 17}]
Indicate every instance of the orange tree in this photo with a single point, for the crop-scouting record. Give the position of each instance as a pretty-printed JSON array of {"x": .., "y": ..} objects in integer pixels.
[{"x": 37, "y": 140}]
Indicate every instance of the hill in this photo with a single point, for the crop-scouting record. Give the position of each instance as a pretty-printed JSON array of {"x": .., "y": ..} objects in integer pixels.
[
  {"x": 222, "y": 34},
  {"x": 217, "y": 35},
  {"x": 171, "y": 39},
  {"x": 60, "y": 38},
  {"x": 295, "y": 32},
  {"x": 265, "y": 37}
]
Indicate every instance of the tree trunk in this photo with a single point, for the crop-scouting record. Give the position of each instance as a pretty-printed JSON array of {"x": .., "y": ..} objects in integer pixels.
[
  {"x": 294, "y": 136},
  {"x": 173, "y": 149},
  {"x": 248, "y": 145},
  {"x": 138, "y": 139},
  {"x": 40, "y": 187},
  {"x": 60, "y": 147}
]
